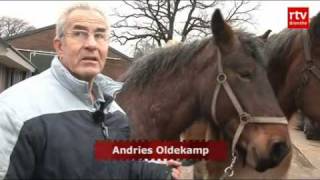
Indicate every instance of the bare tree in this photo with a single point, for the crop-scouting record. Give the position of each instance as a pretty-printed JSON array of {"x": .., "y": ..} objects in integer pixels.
[
  {"x": 143, "y": 48},
  {"x": 161, "y": 20},
  {"x": 11, "y": 26}
]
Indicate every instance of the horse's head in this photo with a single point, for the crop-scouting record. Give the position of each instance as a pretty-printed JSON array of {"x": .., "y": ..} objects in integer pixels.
[
  {"x": 309, "y": 100},
  {"x": 294, "y": 70},
  {"x": 245, "y": 97}
]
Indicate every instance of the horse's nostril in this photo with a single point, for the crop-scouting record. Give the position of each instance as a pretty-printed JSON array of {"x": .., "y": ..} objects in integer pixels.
[{"x": 278, "y": 151}]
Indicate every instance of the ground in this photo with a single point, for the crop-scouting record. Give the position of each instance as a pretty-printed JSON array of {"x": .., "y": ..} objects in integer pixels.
[{"x": 306, "y": 161}]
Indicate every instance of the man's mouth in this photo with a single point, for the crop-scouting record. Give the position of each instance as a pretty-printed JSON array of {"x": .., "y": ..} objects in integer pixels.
[{"x": 89, "y": 58}]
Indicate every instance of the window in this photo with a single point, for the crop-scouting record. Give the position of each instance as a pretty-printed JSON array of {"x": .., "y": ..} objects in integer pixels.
[{"x": 10, "y": 76}]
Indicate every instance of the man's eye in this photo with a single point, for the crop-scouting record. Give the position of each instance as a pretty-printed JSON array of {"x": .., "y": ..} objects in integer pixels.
[
  {"x": 79, "y": 33},
  {"x": 100, "y": 36}
]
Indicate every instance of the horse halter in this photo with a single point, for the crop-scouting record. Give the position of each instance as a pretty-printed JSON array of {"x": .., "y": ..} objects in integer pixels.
[
  {"x": 244, "y": 117},
  {"x": 308, "y": 67}
]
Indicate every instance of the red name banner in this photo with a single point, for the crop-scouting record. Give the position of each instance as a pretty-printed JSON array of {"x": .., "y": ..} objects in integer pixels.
[{"x": 156, "y": 149}]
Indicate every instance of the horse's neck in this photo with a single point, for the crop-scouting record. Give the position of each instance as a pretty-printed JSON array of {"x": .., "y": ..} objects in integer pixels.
[
  {"x": 159, "y": 111},
  {"x": 171, "y": 102},
  {"x": 283, "y": 73}
]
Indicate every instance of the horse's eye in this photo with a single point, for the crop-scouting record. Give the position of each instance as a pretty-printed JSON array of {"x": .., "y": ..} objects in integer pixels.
[{"x": 246, "y": 75}]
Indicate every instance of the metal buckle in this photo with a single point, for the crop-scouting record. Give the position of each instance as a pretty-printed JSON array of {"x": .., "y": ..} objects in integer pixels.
[
  {"x": 245, "y": 117},
  {"x": 221, "y": 78},
  {"x": 228, "y": 171}
]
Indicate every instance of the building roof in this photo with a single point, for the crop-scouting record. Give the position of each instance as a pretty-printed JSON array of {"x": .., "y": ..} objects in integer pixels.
[{"x": 14, "y": 58}]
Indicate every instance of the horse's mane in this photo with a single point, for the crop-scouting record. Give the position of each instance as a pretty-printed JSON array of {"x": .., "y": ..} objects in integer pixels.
[
  {"x": 169, "y": 59},
  {"x": 172, "y": 59},
  {"x": 278, "y": 45}
]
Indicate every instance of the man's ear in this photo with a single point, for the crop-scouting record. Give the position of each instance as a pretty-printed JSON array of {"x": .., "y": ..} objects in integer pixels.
[{"x": 57, "y": 44}]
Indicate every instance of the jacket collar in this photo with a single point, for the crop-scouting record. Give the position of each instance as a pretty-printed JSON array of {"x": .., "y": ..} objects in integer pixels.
[{"x": 76, "y": 86}]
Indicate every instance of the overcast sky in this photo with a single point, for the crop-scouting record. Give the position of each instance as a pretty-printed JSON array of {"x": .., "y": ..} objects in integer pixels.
[{"x": 270, "y": 15}]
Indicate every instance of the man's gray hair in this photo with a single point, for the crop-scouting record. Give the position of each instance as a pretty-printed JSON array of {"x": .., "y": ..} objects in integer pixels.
[{"x": 60, "y": 25}]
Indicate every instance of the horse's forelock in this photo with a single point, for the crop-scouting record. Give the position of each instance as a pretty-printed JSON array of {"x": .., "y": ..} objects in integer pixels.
[{"x": 251, "y": 44}]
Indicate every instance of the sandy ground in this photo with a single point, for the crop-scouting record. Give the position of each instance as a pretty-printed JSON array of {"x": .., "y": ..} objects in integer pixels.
[{"x": 306, "y": 160}]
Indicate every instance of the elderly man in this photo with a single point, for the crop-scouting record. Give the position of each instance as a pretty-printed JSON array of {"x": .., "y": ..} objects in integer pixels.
[{"x": 50, "y": 122}]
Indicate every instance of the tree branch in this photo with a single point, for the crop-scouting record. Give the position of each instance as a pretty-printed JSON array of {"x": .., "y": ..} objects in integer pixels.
[{"x": 159, "y": 20}]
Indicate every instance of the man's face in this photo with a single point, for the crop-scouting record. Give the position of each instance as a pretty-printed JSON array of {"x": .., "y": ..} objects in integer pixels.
[{"x": 84, "y": 47}]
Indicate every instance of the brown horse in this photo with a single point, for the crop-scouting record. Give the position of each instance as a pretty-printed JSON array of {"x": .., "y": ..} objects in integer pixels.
[
  {"x": 294, "y": 72},
  {"x": 294, "y": 78},
  {"x": 220, "y": 79}
]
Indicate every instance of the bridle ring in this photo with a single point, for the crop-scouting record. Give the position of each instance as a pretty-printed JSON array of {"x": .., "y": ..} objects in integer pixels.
[
  {"x": 245, "y": 117},
  {"x": 221, "y": 78}
]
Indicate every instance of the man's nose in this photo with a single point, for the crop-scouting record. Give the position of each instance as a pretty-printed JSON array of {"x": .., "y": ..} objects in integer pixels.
[{"x": 91, "y": 43}]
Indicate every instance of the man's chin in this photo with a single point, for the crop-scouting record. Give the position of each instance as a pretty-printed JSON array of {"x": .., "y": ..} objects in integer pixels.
[{"x": 87, "y": 74}]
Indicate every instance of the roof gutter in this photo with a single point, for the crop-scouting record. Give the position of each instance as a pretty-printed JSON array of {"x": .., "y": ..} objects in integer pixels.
[{"x": 17, "y": 57}]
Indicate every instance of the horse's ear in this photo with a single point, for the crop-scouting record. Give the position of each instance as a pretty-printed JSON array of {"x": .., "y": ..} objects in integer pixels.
[
  {"x": 222, "y": 32},
  {"x": 315, "y": 27},
  {"x": 265, "y": 35}
]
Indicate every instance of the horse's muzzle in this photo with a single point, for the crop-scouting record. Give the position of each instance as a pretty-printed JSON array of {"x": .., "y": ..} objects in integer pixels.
[{"x": 278, "y": 151}]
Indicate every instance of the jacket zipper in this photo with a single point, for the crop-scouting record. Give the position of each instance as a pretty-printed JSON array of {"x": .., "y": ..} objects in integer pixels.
[{"x": 105, "y": 130}]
